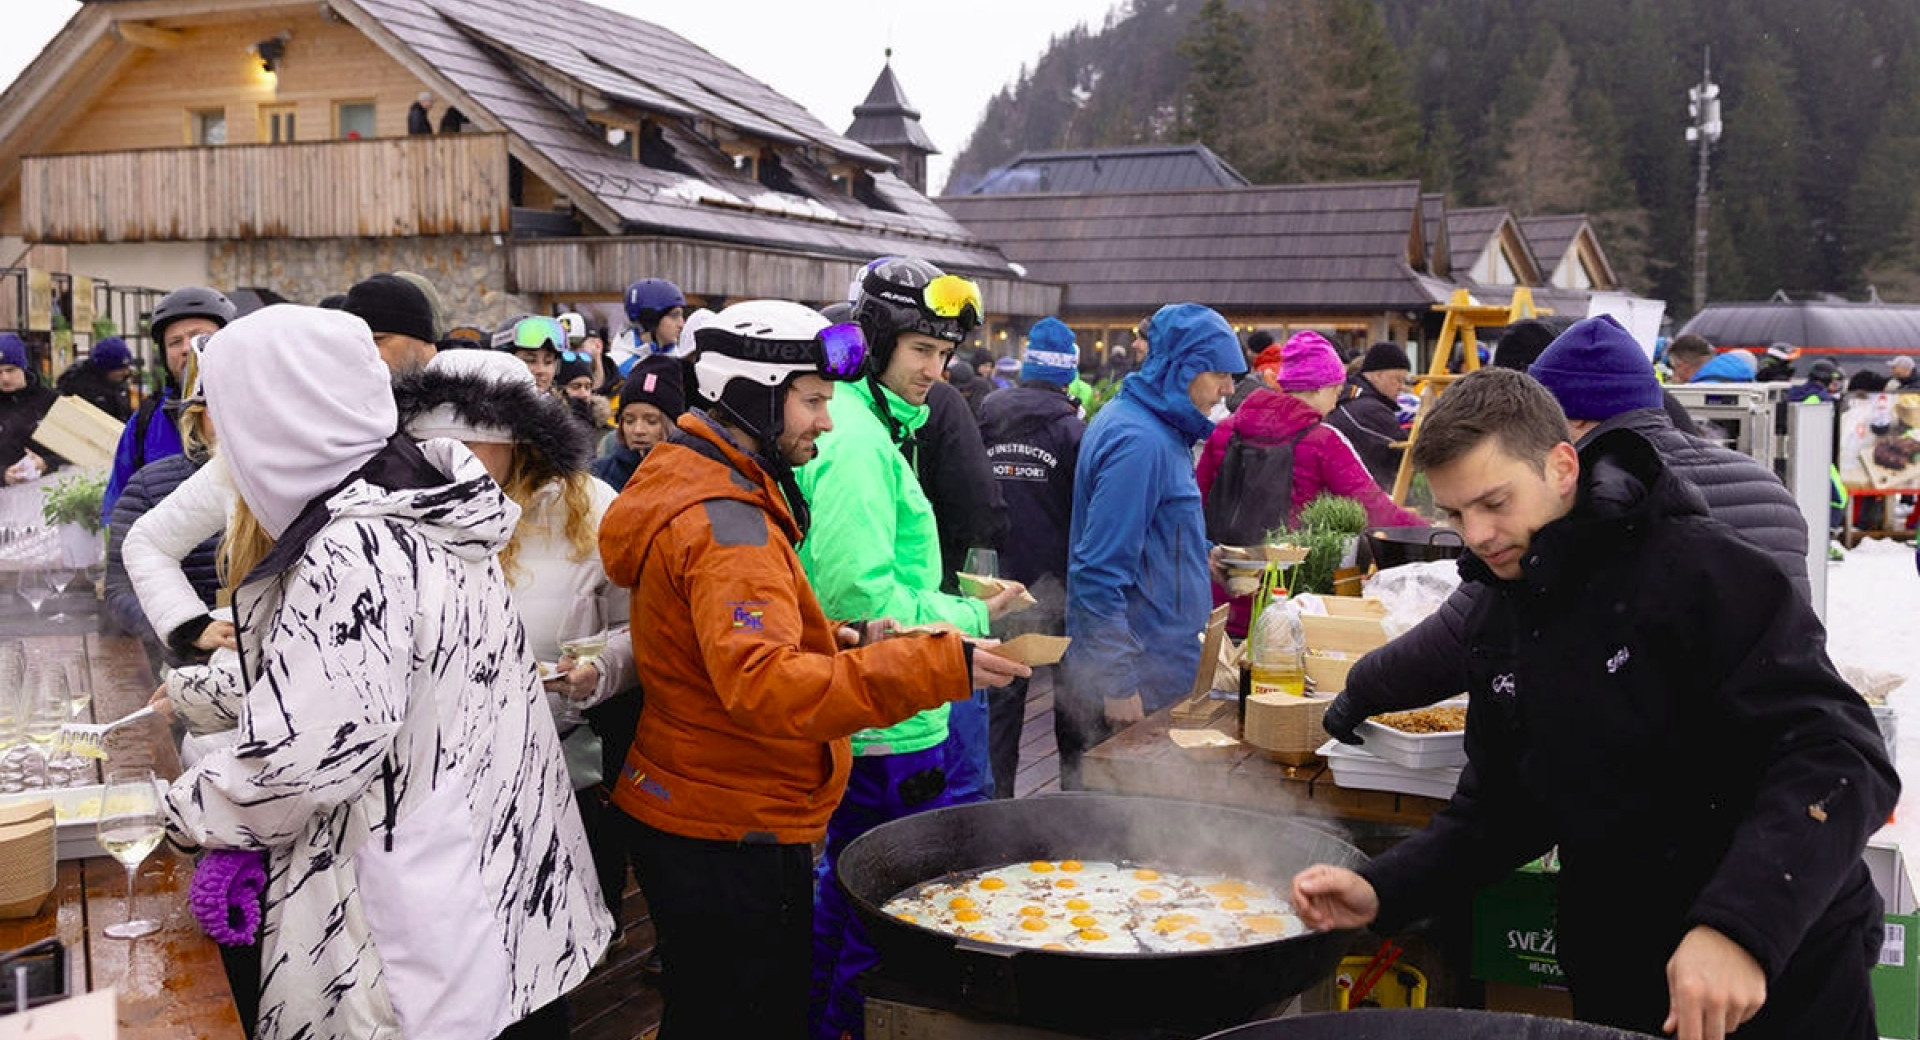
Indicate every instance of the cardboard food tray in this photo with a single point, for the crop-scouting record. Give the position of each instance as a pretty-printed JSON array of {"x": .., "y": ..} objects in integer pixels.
[
  {"x": 76, "y": 815},
  {"x": 980, "y": 586},
  {"x": 80, "y": 433},
  {"x": 1033, "y": 649}
]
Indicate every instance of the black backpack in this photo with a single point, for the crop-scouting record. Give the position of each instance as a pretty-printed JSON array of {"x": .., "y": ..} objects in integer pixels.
[{"x": 1253, "y": 492}]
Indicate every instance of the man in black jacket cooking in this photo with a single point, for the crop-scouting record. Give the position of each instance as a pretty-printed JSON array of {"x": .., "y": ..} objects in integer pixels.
[{"x": 1648, "y": 693}]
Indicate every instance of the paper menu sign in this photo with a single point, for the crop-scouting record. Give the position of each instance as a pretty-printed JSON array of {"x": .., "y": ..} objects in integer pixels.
[{"x": 89, "y": 1016}]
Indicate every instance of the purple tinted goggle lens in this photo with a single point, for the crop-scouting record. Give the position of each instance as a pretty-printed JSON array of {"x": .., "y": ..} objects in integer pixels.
[{"x": 845, "y": 350}]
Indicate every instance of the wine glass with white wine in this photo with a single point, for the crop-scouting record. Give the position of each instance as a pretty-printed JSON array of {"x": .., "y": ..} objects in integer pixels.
[
  {"x": 46, "y": 712},
  {"x": 130, "y": 830}
]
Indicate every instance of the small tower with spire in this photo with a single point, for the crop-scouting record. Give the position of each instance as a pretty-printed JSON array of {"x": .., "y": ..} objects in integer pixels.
[{"x": 888, "y": 123}]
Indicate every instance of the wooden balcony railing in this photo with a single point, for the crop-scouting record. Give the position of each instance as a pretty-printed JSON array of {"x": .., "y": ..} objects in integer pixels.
[{"x": 387, "y": 187}]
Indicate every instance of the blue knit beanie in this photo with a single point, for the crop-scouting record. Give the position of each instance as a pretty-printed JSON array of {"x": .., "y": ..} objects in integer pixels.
[
  {"x": 13, "y": 350},
  {"x": 1597, "y": 371},
  {"x": 1052, "y": 356},
  {"x": 110, "y": 354}
]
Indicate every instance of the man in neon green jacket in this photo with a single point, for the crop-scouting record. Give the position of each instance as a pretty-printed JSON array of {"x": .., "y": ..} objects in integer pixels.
[{"x": 873, "y": 552}]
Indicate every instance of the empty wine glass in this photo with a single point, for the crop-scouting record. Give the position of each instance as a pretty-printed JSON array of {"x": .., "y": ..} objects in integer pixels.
[
  {"x": 130, "y": 830},
  {"x": 57, "y": 577},
  {"x": 983, "y": 563},
  {"x": 32, "y": 583}
]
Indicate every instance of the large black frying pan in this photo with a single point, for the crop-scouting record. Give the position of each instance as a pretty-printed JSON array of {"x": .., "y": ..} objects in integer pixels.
[
  {"x": 1429, "y": 1024},
  {"x": 1180, "y": 993}
]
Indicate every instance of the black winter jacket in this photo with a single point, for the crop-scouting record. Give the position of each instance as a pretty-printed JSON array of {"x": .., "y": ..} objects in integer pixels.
[
  {"x": 149, "y": 484},
  {"x": 1371, "y": 421},
  {"x": 952, "y": 465},
  {"x": 20, "y": 414},
  {"x": 1428, "y": 662},
  {"x": 1653, "y": 698},
  {"x": 83, "y": 380},
  {"x": 1032, "y": 433}
]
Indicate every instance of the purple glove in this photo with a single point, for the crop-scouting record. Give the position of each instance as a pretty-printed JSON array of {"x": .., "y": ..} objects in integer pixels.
[{"x": 226, "y": 894}]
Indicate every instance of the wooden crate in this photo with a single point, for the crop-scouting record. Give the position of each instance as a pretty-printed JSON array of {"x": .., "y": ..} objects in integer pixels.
[
  {"x": 1327, "y": 674},
  {"x": 1348, "y": 635}
]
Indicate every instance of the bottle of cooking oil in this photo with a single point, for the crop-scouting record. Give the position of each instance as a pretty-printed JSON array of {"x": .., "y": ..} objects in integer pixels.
[{"x": 1277, "y": 644}]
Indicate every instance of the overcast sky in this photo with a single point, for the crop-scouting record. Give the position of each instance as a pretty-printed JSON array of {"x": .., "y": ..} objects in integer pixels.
[{"x": 822, "y": 53}]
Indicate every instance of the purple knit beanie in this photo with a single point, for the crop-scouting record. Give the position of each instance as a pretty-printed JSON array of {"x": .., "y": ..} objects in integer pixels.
[
  {"x": 1309, "y": 362},
  {"x": 1597, "y": 370}
]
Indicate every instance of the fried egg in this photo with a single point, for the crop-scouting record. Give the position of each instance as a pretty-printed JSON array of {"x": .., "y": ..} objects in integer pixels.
[{"x": 1098, "y": 906}]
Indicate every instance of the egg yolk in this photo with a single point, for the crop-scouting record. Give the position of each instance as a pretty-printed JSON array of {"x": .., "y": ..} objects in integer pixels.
[
  {"x": 1079, "y": 904},
  {"x": 1229, "y": 888},
  {"x": 1033, "y": 924},
  {"x": 1172, "y": 923},
  {"x": 909, "y": 918},
  {"x": 1066, "y": 882},
  {"x": 980, "y": 936},
  {"x": 1053, "y": 946},
  {"x": 966, "y": 915},
  {"x": 1040, "y": 866},
  {"x": 1092, "y": 934},
  {"x": 1084, "y": 921},
  {"x": 1071, "y": 864},
  {"x": 1263, "y": 924},
  {"x": 993, "y": 884},
  {"x": 1146, "y": 875},
  {"x": 1033, "y": 911},
  {"x": 1199, "y": 937},
  {"x": 1148, "y": 895},
  {"x": 1233, "y": 903},
  {"x": 962, "y": 903}
]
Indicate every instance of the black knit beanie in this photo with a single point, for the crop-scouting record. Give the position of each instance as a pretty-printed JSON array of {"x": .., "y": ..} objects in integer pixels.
[
  {"x": 392, "y": 305},
  {"x": 1385, "y": 357}
]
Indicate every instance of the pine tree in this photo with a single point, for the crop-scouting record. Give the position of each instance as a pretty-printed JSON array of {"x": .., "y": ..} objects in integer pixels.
[{"x": 1218, "y": 53}]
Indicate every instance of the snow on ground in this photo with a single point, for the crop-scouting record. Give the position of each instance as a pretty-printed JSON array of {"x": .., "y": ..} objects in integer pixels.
[{"x": 1873, "y": 622}]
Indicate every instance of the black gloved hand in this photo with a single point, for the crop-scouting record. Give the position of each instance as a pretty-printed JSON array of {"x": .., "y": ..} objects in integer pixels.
[{"x": 1343, "y": 715}]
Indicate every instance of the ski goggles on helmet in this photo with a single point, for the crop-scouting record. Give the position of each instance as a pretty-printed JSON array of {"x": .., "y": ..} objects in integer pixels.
[
  {"x": 843, "y": 351},
  {"x": 837, "y": 352},
  {"x": 950, "y": 296},
  {"x": 532, "y": 332}
]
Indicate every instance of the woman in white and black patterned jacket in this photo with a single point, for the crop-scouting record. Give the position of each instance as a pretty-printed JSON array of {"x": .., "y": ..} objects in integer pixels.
[{"x": 428, "y": 876}]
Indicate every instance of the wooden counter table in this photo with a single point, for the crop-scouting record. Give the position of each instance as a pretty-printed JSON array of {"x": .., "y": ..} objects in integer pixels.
[
  {"x": 1143, "y": 760},
  {"x": 170, "y": 984}
]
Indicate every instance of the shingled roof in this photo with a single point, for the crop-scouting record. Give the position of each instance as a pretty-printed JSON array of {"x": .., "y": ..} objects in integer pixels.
[
  {"x": 536, "y": 70},
  {"x": 1471, "y": 232},
  {"x": 887, "y": 118},
  {"x": 1139, "y": 168},
  {"x": 1333, "y": 247}
]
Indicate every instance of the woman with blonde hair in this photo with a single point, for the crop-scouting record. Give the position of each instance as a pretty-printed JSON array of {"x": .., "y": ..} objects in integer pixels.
[
  {"x": 538, "y": 453},
  {"x": 396, "y": 763}
]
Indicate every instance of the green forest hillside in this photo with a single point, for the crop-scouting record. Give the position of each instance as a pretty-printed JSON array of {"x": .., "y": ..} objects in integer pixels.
[{"x": 1544, "y": 106}]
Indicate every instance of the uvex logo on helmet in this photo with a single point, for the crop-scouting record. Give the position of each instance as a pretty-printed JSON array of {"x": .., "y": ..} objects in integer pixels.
[{"x": 773, "y": 352}]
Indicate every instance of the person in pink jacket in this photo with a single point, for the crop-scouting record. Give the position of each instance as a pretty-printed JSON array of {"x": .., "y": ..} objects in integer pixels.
[{"x": 1310, "y": 379}]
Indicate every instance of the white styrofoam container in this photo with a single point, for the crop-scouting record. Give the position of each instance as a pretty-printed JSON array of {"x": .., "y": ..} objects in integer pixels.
[
  {"x": 1355, "y": 769},
  {"x": 1415, "y": 750}
]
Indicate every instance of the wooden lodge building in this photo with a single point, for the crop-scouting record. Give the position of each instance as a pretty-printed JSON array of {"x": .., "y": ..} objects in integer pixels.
[
  {"x": 1123, "y": 230},
  {"x": 265, "y": 143}
]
